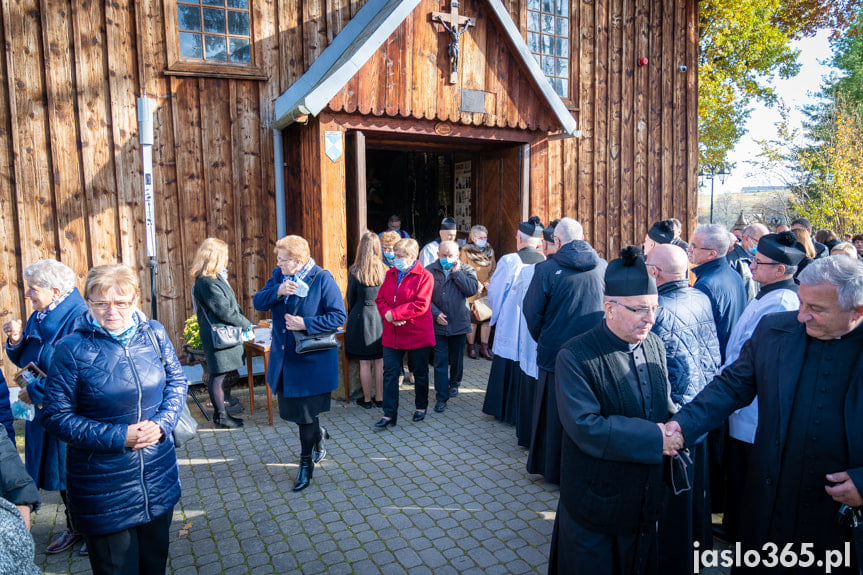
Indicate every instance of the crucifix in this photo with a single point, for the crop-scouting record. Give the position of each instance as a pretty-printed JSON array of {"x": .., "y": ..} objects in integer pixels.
[{"x": 455, "y": 25}]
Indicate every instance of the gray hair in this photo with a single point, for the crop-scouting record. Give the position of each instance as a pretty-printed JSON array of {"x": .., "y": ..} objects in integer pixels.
[
  {"x": 755, "y": 231},
  {"x": 450, "y": 245},
  {"x": 714, "y": 237},
  {"x": 50, "y": 274},
  {"x": 476, "y": 229},
  {"x": 529, "y": 240},
  {"x": 843, "y": 272},
  {"x": 569, "y": 230}
]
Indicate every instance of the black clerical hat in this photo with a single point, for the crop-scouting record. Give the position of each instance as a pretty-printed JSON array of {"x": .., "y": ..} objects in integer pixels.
[
  {"x": 448, "y": 224},
  {"x": 782, "y": 248},
  {"x": 532, "y": 227},
  {"x": 662, "y": 232},
  {"x": 628, "y": 275}
]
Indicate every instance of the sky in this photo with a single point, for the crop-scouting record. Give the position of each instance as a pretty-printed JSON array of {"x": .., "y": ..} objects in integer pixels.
[{"x": 795, "y": 92}]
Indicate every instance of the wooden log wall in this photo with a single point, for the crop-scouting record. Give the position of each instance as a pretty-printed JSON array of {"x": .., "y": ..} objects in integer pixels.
[{"x": 70, "y": 184}]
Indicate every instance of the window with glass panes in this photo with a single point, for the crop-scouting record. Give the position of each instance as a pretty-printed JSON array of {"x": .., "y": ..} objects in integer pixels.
[
  {"x": 214, "y": 30},
  {"x": 548, "y": 39}
]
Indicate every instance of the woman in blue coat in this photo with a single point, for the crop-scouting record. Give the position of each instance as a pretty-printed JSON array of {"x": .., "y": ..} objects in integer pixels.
[
  {"x": 302, "y": 296},
  {"x": 114, "y": 395},
  {"x": 56, "y": 304}
]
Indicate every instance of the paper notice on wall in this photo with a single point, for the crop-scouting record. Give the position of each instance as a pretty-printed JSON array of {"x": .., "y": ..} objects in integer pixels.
[{"x": 463, "y": 195}]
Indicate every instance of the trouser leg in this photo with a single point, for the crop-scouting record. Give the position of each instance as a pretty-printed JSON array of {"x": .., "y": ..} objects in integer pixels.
[
  {"x": 456, "y": 359},
  {"x": 392, "y": 370},
  {"x": 420, "y": 359},
  {"x": 441, "y": 367}
]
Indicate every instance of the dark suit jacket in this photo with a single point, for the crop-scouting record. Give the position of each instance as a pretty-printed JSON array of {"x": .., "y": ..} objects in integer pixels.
[{"x": 769, "y": 365}]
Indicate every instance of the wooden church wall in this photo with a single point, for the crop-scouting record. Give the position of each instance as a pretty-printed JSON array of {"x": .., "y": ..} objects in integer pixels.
[{"x": 70, "y": 184}]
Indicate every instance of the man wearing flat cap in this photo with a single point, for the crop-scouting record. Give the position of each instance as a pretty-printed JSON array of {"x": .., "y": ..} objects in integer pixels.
[
  {"x": 613, "y": 395},
  {"x": 773, "y": 267},
  {"x": 447, "y": 233}
]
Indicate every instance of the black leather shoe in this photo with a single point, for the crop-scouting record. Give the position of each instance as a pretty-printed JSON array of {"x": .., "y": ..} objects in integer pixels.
[
  {"x": 453, "y": 390},
  {"x": 384, "y": 423},
  {"x": 304, "y": 475},
  {"x": 363, "y": 403},
  {"x": 320, "y": 450},
  {"x": 419, "y": 415},
  {"x": 226, "y": 421},
  {"x": 378, "y": 403},
  {"x": 440, "y": 406}
]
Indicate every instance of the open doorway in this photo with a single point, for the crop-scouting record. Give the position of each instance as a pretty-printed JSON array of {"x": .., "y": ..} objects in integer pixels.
[{"x": 417, "y": 186}]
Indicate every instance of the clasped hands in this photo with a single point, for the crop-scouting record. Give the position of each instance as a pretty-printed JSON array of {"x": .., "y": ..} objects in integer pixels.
[
  {"x": 672, "y": 437},
  {"x": 143, "y": 434},
  {"x": 389, "y": 317}
]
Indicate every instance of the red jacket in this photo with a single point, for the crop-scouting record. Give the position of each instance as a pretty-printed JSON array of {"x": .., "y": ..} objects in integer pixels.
[{"x": 410, "y": 302}]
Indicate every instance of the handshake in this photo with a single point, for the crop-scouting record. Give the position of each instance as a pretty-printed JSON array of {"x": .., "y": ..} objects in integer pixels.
[{"x": 672, "y": 437}]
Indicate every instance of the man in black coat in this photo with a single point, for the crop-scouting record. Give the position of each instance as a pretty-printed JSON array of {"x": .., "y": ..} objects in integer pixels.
[
  {"x": 806, "y": 368},
  {"x": 612, "y": 390},
  {"x": 564, "y": 300}
]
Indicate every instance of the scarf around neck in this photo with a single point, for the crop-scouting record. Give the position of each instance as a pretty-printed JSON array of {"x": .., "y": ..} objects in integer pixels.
[{"x": 478, "y": 257}]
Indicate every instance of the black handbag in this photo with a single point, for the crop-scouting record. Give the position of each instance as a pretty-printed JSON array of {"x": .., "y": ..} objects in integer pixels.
[
  {"x": 306, "y": 343},
  {"x": 223, "y": 335},
  {"x": 187, "y": 427}
]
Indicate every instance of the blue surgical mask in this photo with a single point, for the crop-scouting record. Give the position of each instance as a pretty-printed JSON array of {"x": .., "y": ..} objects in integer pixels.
[
  {"x": 480, "y": 243},
  {"x": 447, "y": 263},
  {"x": 754, "y": 250},
  {"x": 401, "y": 265},
  {"x": 389, "y": 255}
]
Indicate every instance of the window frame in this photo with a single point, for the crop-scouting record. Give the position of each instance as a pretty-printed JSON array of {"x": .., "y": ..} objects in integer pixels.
[
  {"x": 570, "y": 101},
  {"x": 179, "y": 66}
]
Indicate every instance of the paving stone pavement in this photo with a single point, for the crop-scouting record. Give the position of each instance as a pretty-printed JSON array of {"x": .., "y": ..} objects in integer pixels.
[{"x": 446, "y": 495}]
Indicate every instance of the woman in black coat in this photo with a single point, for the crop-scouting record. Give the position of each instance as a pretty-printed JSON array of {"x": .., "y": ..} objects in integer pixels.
[
  {"x": 365, "y": 326},
  {"x": 215, "y": 302}
]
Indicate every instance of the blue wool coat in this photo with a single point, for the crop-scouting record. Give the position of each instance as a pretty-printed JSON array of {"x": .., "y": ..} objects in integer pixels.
[
  {"x": 45, "y": 456},
  {"x": 322, "y": 310},
  {"x": 97, "y": 388}
]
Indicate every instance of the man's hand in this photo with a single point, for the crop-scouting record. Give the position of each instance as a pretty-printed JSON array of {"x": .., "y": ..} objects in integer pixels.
[
  {"x": 14, "y": 331},
  {"x": 441, "y": 319},
  {"x": 672, "y": 437},
  {"x": 143, "y": 434},
  {"x": 844, "y": 490}
]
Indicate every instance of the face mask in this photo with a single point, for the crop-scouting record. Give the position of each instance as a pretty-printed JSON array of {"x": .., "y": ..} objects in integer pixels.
[
  {"x": 754, "y": 250},
  {"x": 480, "y": 243},
  {"x": 401, "y": 265},
  {"x": 389, "y": 255},
  {"x": 447, "y": 263}
]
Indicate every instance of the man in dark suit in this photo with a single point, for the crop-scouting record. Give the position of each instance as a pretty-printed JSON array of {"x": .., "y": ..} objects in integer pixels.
[{"x": 806, "y": 368}]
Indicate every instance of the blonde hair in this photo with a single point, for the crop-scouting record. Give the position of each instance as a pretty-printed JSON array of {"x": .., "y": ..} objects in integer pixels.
[
  {"x": 210, "y": 259},
  {"x": 390, "y": 238},
  {"x": 101, "y": 279},
  {"x": 408, "y": 246},
  {"x": 368, "y": 267},
  {"x": 296, "y": 246},
  {"x": 804, "y": 238},
  {"x": 845, "y": 249}
]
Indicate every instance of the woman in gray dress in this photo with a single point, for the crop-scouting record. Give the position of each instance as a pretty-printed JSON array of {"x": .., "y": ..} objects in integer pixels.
[{"x": 215, "y": 302}]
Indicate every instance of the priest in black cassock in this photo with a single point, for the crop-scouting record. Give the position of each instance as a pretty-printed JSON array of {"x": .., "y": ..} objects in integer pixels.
[
  {"x": 806, "y": 367},
  {"x": 613, "y": 395}
]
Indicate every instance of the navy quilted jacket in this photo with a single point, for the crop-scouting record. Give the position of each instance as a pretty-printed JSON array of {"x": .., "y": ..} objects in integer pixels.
[
  {"x": 96, "y": 388},
  {"x": 685, "y": 325}
]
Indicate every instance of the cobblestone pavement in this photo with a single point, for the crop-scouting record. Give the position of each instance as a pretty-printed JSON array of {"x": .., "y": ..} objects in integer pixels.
[{"x": 446, "y": 495}]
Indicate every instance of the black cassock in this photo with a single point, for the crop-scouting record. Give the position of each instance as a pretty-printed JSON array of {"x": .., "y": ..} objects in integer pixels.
[{"x": 588, "y": 537}]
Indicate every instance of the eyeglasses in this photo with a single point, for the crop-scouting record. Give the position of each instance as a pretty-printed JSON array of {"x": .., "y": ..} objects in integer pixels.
[
  {"x": 280, "y": 261},
  {"x": 694, "y": 247},
  {"x": 642, "y": 311},
  {"x": 104, "y": 305},
  {"x": 756, "y": 263}
]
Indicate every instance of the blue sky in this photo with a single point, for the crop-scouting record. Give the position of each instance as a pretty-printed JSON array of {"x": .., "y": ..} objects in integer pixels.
[{"x": 795, "y": 92}]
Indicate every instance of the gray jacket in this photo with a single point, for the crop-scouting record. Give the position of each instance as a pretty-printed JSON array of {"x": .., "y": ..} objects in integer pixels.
[
  {"x": 16, "y": 488},
  {"x": 450, "y": 297}
]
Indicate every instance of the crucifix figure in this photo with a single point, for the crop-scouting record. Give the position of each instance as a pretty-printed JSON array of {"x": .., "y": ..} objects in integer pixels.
[{"x": 455, "y": 25}]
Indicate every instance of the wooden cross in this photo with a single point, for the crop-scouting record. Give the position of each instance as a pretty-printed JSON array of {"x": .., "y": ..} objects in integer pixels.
[{"x": 456, "y": 26}]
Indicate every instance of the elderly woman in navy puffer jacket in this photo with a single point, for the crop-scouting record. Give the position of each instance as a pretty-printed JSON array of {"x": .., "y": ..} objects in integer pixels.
[{"x": 114, "y": 398}]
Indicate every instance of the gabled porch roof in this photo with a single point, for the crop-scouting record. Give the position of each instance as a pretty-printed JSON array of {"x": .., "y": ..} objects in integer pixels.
[{"x": 364, "y": 35}]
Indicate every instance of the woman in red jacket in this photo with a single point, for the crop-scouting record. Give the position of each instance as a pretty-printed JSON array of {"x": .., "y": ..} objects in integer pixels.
[{"x": 404, "y": 301}]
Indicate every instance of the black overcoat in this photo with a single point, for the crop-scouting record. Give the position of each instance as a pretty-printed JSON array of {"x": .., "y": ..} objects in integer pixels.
[{"x": 769, "y": 365}]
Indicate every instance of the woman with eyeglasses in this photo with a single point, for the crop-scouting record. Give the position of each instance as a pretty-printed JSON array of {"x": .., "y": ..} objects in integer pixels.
[
  {"x": 478, "y": 254},
  {"x": 215, "y": 302},
  {"x": 56, "y": 303},
  {"x": 302, "y": 296},
  {"x": 114, "y": 395}
]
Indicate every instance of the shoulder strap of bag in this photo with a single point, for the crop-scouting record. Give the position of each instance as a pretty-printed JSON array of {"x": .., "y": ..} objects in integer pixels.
[{"x": 155, "y": 342}]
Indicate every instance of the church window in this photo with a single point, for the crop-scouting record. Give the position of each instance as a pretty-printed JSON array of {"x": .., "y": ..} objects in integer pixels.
[
  {"x": 214, "y": 30},
  {"x": 548, "y": 40}
]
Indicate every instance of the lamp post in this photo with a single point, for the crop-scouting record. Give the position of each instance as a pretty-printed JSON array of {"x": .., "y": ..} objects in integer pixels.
[{"x": 711, "y": 172}]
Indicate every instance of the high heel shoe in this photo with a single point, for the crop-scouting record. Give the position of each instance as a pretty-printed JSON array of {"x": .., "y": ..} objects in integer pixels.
[
  {"x": 304, "y": 475},
  {"x": 320, "y": 450},
  {"x": 384, "y": 423}
]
